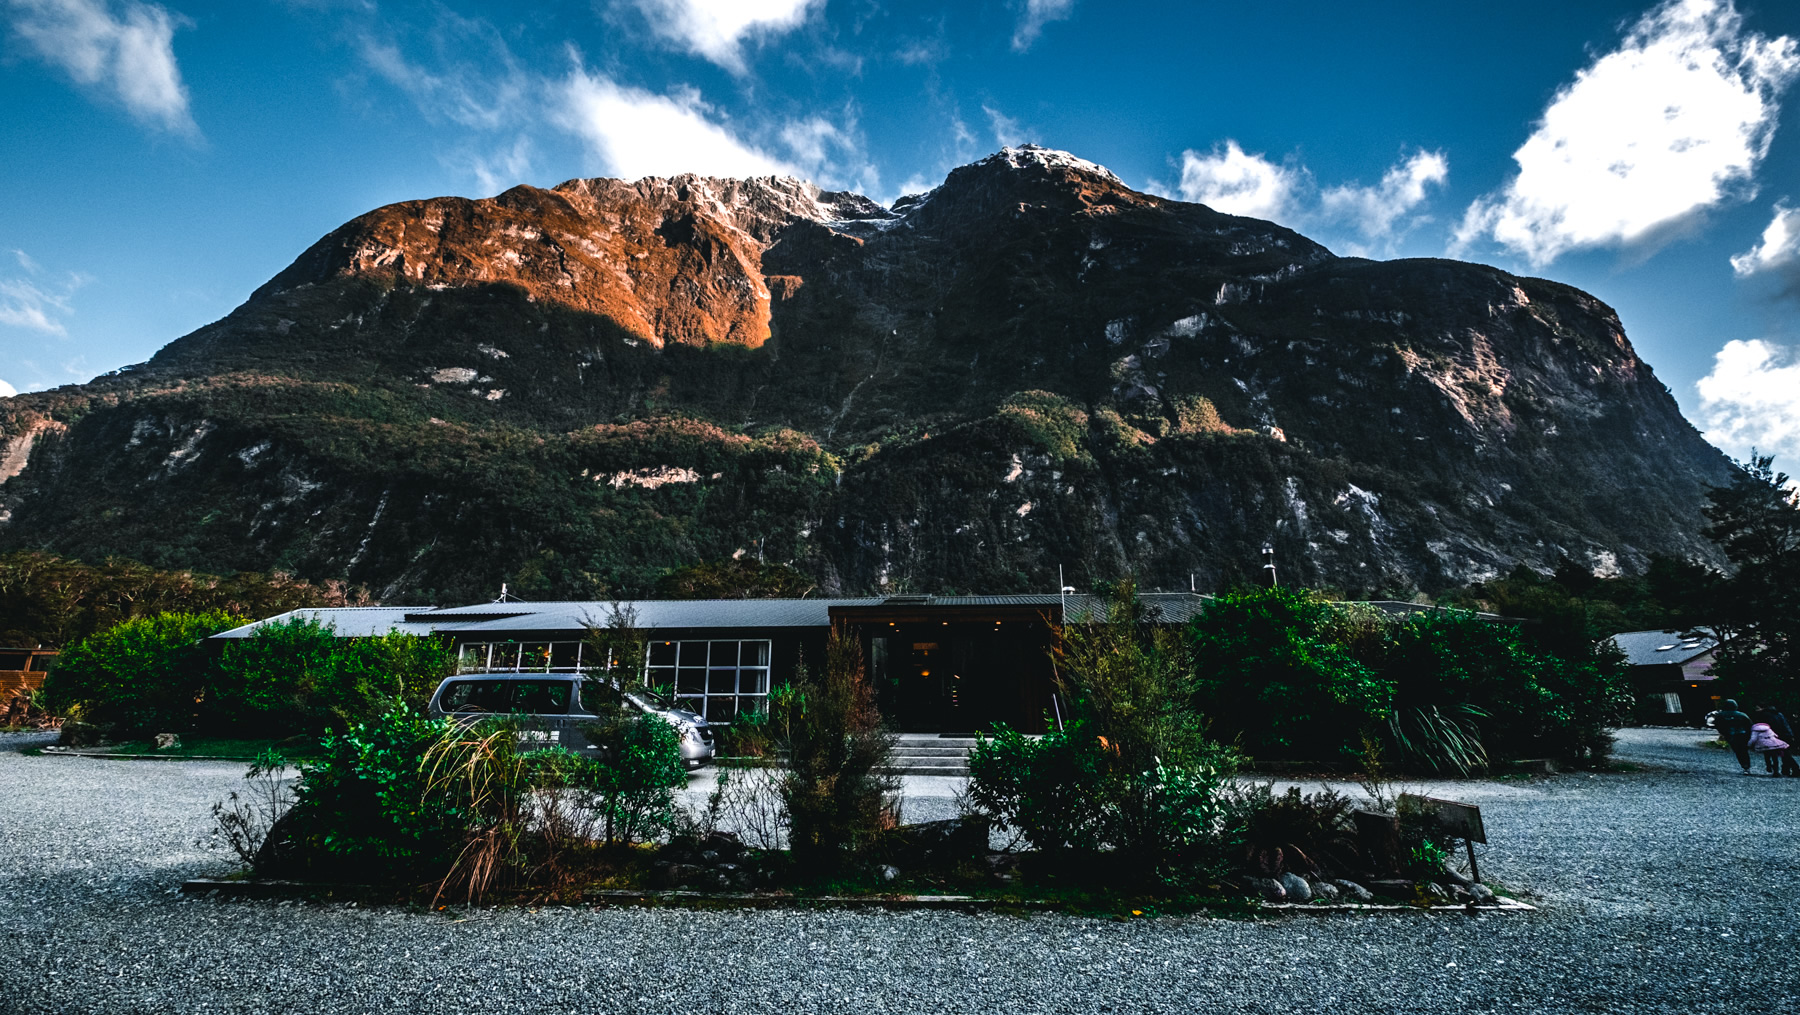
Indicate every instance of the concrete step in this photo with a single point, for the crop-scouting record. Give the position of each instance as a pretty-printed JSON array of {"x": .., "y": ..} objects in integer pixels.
[{"x": 909, "y": 751}]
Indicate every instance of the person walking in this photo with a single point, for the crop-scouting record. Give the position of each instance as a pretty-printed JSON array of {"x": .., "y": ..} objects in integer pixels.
[
  {"x": 1778, "y": 725},
  {"x": 1764, "y": 742},
  {"x": 1734, "y": 729}
]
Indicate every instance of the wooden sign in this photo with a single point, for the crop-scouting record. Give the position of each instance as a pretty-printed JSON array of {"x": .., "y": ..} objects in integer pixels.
[{"x": 1457, "y": 820}]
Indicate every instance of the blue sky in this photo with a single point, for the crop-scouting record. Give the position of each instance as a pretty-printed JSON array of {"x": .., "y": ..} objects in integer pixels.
[{"x": 163, "y": 159}]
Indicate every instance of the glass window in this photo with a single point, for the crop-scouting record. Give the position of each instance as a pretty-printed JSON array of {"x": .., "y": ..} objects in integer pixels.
[
  {"x": 717, "y": 679},
  {"x": 476, "y": 696},
  {"x": 534, "y": 656},
  {"x": 565, "y": 655},
  {"x": 541, "y": 697},
  {"x": 472, "y": 658},
  {"x": 505, "y": 656}
]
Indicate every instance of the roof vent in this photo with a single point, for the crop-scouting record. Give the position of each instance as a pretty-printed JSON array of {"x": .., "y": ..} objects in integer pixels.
[{"x": 907, "y": 600}]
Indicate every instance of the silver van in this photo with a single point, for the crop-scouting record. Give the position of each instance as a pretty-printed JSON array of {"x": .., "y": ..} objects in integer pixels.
[{"x": 550, "y": 705}]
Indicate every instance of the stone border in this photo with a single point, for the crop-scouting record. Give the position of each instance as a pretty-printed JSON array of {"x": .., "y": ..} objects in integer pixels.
[
  {"x": 251, "y": 888},
  {"x": 54, "y": 751}
]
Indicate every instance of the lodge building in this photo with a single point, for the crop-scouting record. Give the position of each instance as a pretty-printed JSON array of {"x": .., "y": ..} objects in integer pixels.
[{"x": 940, "y": 664}]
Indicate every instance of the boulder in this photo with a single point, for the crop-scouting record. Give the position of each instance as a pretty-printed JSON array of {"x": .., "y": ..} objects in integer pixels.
[
  {"x": 935, "y": 845},
  {"x": 1325, "y": 891},
  {"x": 1483, "y": 894},
  {"x": 1457, "y": 893},
  {"x": 1296, "y": 888},
  {"x": 167, "y": 741},
  {"x": 888, "y": 872},
  {"x": 1270, "y": 889},
  {"x": 726, "y": 844},
  {"x": 1354, "y": 890},
  {"x": 1394, "y": 888}
]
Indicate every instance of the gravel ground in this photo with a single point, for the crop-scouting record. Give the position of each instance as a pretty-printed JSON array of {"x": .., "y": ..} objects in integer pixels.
[{"x": 1662, "y": 890}]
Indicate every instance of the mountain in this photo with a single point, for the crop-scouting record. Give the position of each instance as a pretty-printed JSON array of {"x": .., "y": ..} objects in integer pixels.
[{"x": 574, "y": 390}]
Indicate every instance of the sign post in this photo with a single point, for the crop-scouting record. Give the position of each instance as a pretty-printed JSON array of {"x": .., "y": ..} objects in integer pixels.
[{"x": 1457, "y": 820}]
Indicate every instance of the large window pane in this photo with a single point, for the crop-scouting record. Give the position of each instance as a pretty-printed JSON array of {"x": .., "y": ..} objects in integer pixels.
[
  {"x": 662, "y": 653},
  {"x": 505, "y": 657},
  {"x": 690, "y": 681},
  {"x": 754, "y": 653},
  {"x": 472, "y": 657},
  {"x": 753, "y": 681},
  {"x": 476, "y": 696},
  {"x": 534, "y": 655},
  {"x": 721, "y": 681},
  {"x": 721, "y": 710},
  {"x": 565, "y": 655}
]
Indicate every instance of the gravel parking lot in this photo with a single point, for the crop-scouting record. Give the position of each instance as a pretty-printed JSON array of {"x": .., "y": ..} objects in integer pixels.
[{"x": 1670, "y": 889}]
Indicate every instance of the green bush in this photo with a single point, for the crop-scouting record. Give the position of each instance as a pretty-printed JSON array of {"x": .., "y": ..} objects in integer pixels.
[
  {"x": 1132, "y": 775},
  {"x": 299, "y": 676},
  {"x": 1275, "y": 678},
  {"x": 631, "y": 789},
  {"x": 835, "y": 788},
  {"x": 143, "y": 675},
  {"x": 362, "y": 810}
]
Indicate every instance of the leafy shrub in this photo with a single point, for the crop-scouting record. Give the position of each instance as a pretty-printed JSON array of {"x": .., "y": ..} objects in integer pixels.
[
  {"x": 631, "y": 789},
  {"x": 363, "y": 811},
  {"x": 834, "y": 787},
  {"x": 1274, "y": 678},
  {"x": 300, "y": 676},
  {"x": 144, "y": 675},
  {"x": 1304, "y": 834},
  {"x": 1132, "y": 775}
]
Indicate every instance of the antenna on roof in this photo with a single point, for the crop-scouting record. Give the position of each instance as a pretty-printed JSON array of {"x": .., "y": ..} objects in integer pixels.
[{"x": 507, "y": 597}]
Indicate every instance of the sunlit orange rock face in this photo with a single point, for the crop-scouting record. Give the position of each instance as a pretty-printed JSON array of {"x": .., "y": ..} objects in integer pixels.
[
  {"x": 1031, "y": 369},
  {"x": 668, "y": 260}
]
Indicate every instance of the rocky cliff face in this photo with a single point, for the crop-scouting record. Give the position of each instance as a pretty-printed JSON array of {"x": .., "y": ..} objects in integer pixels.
[{"x": 573, "y": 389}]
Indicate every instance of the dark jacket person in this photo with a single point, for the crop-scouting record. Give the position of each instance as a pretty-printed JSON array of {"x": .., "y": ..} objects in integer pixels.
[{"x": 1734, "y": 729}]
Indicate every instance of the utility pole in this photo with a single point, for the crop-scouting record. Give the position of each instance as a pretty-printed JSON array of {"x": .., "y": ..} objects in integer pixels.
[{"x": 1268, "y": 552}]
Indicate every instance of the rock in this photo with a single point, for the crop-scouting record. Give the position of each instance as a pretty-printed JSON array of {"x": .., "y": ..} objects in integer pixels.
[
  {"x": 1394, "y": 888},
  {"x": 1271, "y": 890},
  {"x": 726, "y": 844},
  {"x": 709, "y": 857},
  {"x": 1354, "y": 890},
  {"x": 167, "y": 741},
  {"x": 682, "y": 875},
  {"x": 1296, "y": 887},
  {"x": 1432, "y": 891},
  {"x": 83, "y": 734},
  {"x": 1457, "y": 893},
  {"x": 888, "y": 872},
  {"x": 1451, "y": 877},
  {"x": 1483, "y": 894},
  {"x": 1324, "y": 891},
  {"x": 718, "y": 881},
  {"x": 935, "y": 844}
]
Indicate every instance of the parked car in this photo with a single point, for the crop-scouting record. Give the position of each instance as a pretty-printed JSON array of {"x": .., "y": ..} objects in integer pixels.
[{"x": 552, "y": 713}]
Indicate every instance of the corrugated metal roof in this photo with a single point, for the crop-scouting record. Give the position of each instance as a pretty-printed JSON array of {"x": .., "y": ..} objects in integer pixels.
[
  {"x": 1664, "y": 648},
  {"x": 648, "y": 614},
  {"x": 347, "y": 621}
]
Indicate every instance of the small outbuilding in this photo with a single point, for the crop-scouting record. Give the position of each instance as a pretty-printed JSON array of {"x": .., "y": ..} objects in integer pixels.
[{"x": 1671, "y": 674}]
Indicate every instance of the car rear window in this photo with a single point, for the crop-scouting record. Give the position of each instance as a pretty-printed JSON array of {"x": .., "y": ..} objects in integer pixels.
[{"x": 533, "y": 697}]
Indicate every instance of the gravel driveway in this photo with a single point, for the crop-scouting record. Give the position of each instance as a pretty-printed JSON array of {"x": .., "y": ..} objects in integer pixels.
[{"x": 1670, "y": 889}]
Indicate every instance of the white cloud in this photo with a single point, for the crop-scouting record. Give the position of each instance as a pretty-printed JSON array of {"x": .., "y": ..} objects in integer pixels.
[
  {"x": 1674, "y": 121},
  {"x": 1035, "y": 15},
  {"x": 636, "y": 133},
  {"x": 717, "y": 29},
  {"x": 7, "y": 390},
  {"x": 126, "y": 48},
  {"x": 1374, "y": 211},
  {"x": 1236, "y": 183},
  {"x": 461, "y": 92},
  {"x": 1008, "y": 132},
  {"x": 1752, "y": 398},
  {"x": 35, "y": 303},
  {"x": 1780, "y": 244}
]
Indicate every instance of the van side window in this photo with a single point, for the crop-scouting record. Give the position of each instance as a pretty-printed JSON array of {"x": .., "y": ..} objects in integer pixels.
[
  {"x": 541, "y": 697},
  {"x": 476, "y": 696}
]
